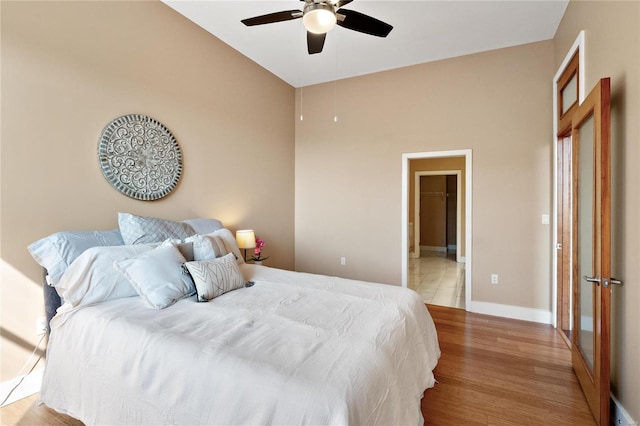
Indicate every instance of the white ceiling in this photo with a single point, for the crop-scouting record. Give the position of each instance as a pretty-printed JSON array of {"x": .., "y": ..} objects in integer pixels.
[{"x": 423, "y": 31}]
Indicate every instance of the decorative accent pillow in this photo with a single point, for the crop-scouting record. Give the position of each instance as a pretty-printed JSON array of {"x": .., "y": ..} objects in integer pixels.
[
  {"x": 91, "y": 278},
  {"x": 57, "y": 251},
  {"x": 215, "y": 277},
  {"x": 214, "y": 245},
  {"x": 207, "y": 247},
  {"x": 157, "y": 276},
  {"x": 138, "y": 229}
]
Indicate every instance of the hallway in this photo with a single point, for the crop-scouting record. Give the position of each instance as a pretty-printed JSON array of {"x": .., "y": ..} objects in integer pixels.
[{"x": 438, "y": 278}]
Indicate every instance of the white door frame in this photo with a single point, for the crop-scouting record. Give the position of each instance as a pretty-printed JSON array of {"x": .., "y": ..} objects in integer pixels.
[
  {"x": 467, "y": 154},
  {"x": 416, "y": 210},
  {"x": 578, "y": 45}
]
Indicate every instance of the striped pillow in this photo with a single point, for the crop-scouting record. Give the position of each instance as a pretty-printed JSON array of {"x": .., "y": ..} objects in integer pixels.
[{"x": 214, "y": 245}]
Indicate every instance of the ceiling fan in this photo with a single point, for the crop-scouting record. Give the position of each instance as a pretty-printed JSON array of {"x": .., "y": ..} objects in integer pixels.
[{"x": 320, "y": 16}]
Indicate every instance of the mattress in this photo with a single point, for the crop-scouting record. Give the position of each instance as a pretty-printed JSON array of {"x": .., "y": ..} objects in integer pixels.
[{"x": 293, "y": 348}]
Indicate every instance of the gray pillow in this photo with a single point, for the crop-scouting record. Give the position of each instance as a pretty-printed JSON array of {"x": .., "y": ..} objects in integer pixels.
[
  {"x": 140, "y": 230},
  {"x": 204, "y": 225},
  {"x": 186, "y": 250}
]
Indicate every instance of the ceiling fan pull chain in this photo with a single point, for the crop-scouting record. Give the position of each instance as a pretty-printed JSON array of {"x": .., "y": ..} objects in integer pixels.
[{"x": 301, "y": 113}]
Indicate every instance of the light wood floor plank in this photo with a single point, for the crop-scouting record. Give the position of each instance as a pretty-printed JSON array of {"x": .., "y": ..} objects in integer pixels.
[
  {"x": 497, "y": 371},
  {"x": 493, "y": 371}
]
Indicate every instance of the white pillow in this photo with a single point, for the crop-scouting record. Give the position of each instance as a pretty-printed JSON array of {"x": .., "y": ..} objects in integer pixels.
[
  {"x": 214, "y": 245},
  {"x": 215, "y": 277},
  {"x": 157, "y": 275},
  {"x": 57, "y": 251},
  {"x": 91, "y": 277}
]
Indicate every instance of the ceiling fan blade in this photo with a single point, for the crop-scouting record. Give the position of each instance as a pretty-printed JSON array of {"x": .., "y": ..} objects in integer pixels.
[
  {"x": 315, "y": 42},
  {"x": 341, "y": 3},
  {"x": 363, "y": 23},
  {"x": 338, "y": 3},
  {"x": 270, "y": 18}
]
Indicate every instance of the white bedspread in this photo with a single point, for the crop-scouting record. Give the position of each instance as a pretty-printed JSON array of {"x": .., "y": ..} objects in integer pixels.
[{"x": 293, "y": 349}]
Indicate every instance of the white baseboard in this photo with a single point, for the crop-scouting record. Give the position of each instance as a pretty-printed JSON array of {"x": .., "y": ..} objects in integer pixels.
[
  {"x": 434, "y": 248},
  {"x": 29, "y": 386},
  {"x": 509, "y": 311},
  {"x": 619, "y": 416}
]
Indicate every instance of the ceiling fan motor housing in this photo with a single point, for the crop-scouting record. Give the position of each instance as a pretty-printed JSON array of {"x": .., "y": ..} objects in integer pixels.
[{"x": 319, "y": 18}]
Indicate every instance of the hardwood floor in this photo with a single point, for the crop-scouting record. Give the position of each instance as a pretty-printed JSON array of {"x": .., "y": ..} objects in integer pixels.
[
  {"x": 493, "y": 371},
  {"x": 497, "y": 371},
  {"x": 26, "y": 413}
]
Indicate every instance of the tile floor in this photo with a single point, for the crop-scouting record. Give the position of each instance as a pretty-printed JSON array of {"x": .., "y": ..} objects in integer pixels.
[{"x": 438, "y": 279}]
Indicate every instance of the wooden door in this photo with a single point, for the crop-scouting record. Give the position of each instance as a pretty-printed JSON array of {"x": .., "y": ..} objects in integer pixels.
[
  {"x": 433, "y": 211},
  {"x": 590, "y": 343}
]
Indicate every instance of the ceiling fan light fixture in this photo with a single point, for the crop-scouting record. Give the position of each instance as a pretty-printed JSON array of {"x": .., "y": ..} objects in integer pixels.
[{"x": 319, "y": 18}]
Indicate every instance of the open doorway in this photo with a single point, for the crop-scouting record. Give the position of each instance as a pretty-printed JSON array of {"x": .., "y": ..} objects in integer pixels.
[
  {"x": 436, "y": 269},
  {"x": 437, "y": 207},
  {"x": 445, "y": 259}
]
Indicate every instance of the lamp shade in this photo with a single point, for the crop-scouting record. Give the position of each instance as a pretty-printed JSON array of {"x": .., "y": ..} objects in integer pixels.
[
  {"x": 246, "y": 238},
  {"x": 319, "y": 18}
]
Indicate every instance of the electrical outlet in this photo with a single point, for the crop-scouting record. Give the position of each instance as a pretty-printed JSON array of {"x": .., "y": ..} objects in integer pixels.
[
  {"x": 494, "y": 278},
  {"x": 41, "y": 326},
  {"x": 343, "y": 261}
]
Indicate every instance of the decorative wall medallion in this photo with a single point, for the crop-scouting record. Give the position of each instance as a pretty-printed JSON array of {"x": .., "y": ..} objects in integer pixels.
[{"x": 140, "y": 157}]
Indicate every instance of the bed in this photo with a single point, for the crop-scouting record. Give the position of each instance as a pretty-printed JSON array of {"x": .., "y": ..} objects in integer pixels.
[{"x": 290, "y": 348}]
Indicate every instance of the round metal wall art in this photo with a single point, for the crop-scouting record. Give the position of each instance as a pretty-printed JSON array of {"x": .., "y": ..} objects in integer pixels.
[{"x": 140, "y": 157}]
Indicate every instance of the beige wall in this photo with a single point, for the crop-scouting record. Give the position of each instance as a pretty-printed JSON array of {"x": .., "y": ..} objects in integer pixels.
[
  {"x": 612, "y": 48},
  {"x": 348, "y": 174},
  {"x": 68, "y": 68},
  {"x": 436, "y": 164}
]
